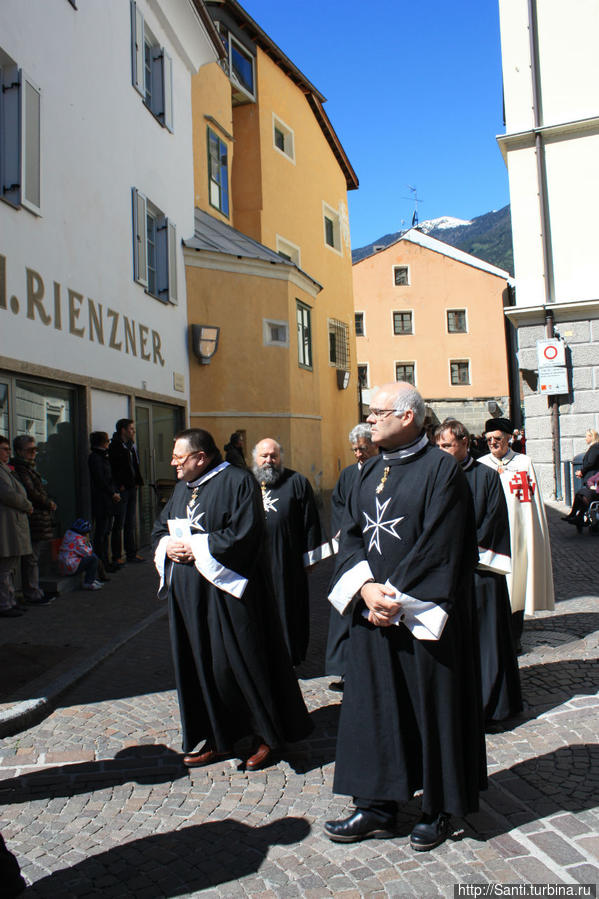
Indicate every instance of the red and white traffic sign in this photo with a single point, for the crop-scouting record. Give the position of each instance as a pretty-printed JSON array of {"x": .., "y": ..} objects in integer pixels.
[{"x": 551, "y": 352}]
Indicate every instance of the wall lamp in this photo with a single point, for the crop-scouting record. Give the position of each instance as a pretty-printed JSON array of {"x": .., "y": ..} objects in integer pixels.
[
  {"x": 342, "y": 379},
  {"x": 204, "y": 342}
]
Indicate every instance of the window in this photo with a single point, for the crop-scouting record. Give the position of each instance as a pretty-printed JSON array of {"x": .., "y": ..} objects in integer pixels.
[
  {"x": 402, "y": 323},
  {"x": 339, "y": 344},
  {"x": 460, "y": 372},
  {"x": 283, "y": 138},
  {"x": 288, "y": 250},
  {"x": 154, "y": 250},
  {"x": 332, "y": 230},
  {"x": 151, "y": 69},
  {"x": 20, "y": 142},
  {"x": 359, "y": 324},
  {"x": 218, "y": 173},
  {"x": 241, "y": 64},
  {"x": 363, "y": 375},
  {"x": 275, "y": 333},
  {"x": 304, "y": 335},
  {"x": 401, "y": 275},
  {"x": 456, "y": 321},
  {"x": 405, "y": 371}
]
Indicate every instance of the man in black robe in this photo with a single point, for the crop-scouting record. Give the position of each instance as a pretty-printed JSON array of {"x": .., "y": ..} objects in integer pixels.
[
  {"x": 233, "y": 673},
  {"x": 294, "y": 540},
  {"x": 363, "y": 449},
  {"x": 501, "y": 692},
  {"x": 411, "y": 716}
]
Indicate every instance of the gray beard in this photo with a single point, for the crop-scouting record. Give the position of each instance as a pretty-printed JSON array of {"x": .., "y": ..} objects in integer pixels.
[{"x": 269, "y": 475}]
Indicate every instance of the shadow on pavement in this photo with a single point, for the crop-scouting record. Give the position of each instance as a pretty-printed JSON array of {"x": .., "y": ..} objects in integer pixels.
[
  {"x": 175, "y": 863},
  {"x": 575, "y": 626},
  {"x": 319, "y": 749},
  {"x": 148, "y": 764},
  {"x": 566, "y": 780}
]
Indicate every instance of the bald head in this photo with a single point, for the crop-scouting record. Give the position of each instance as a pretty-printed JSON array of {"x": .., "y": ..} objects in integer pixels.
[
  {"x": 396, "y": 415},
  {"x": 268, "y": 461}
]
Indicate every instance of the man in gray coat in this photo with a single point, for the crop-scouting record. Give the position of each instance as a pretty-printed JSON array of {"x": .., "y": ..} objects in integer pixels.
[{"x": 15, "y": 540}]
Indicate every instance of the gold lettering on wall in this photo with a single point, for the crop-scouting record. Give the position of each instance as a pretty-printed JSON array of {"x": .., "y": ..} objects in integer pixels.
[
  {"x": 156, "y": 348},
  {"x": 75, "y": 300},
  {"x": 116, "y": 345},
  {"x": 96, "y": 323},
  {"x": 57, "y": 310},
  {"x": 130, "y": 336},
  {"x": 143, "y": 340},
  {"x": 35, "y": 297}
]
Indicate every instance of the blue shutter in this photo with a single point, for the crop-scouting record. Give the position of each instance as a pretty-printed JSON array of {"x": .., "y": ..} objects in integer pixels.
[
  {"x": 10, "y": 135},
  {"x": 173, "y": 294},
  {"x": 167, "y": 90},
  {"x": 30, "y": 146},
  {"x": 140, "y": 239},
  {"x": 137, "y": 49}
]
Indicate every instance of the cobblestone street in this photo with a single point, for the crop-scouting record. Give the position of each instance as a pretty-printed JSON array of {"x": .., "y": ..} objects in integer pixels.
[{"x": 96, "y": 802}]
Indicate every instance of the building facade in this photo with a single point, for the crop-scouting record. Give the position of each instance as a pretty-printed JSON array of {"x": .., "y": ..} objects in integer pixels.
[
  {"x": 270, "y": 260},
  {"x": 96, "y": 167},
  {"x": 432, "y": 315},
  {"x": 551, "y": 145}
]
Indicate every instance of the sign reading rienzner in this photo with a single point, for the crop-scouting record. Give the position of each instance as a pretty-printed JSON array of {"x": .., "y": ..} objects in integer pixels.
[{"x": 550, "y": 352}]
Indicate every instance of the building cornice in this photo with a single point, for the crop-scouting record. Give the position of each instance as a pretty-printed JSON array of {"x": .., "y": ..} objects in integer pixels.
[
  {"x": 562, "y": 312},
  {"x": 222, "y": 262},
  {"x": 519, "y": 140}
]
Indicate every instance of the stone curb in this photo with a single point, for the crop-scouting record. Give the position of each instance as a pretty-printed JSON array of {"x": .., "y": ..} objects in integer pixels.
[{"x": 30, "y": 711}]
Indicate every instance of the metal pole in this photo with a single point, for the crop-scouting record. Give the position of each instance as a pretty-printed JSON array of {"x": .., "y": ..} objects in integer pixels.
[{"x": 554, "y": 412}]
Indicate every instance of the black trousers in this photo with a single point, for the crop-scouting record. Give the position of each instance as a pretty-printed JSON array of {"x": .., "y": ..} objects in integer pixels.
[
  {"x": 103, "y": 518},
  {"x": 124, "y": 522}
]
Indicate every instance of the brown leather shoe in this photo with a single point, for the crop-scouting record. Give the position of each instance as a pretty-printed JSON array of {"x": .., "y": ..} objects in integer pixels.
[
  {"x": 259, "y": 759},
  {"x": 205, "y": 757}
]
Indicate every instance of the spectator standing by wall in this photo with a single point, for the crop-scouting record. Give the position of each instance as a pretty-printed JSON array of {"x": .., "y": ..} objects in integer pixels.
[
  {"x": 104, "y": 496},
  {"x": 126, "y": 476},
  {"x": 15, "y": 540},
  {"x": 40, "y": 520}
]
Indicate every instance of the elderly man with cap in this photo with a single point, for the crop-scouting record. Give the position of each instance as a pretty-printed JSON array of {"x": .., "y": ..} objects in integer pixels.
[
  {"x": 363, "y": 448},
  {"x": 530, "y": 583}
]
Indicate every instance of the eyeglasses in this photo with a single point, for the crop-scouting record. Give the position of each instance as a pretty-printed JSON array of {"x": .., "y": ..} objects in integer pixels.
[
  {"x": 182, "y": 460},
  {"x": 495, "y": 439},
  {"x": 382, "y": 413}
]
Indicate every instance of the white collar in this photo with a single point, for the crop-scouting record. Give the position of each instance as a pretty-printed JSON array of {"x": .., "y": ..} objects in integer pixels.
[
  {"x": 206, "y": 477},
  {"x": 504, "y": 460},
  {"x": 467, "y": 463},
  {"x": 410, "y": 450}
]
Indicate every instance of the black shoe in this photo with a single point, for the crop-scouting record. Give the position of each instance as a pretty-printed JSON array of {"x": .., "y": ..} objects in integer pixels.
[
  {"x": 337, "y": 685},
  {"x": 11, "y": 613},
  {"x": 430, "y": 831},
  {"x": 359, "y": 826},
  {"x": 40, "y": 601}
]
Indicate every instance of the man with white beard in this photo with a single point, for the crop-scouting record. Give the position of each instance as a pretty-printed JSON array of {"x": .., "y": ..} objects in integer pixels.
[{"x": 294, "y": 540}]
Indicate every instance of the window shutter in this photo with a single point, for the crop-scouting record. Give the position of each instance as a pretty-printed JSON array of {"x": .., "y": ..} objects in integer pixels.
[
  {"x": 140, "y": 239},
  {"x": 167, "y": 89},
  {"x": 10, "y": 135},
  {"x": 173, "y": 295},
  {"x": 30, "y": 150},
  {"x": 137, "y": 48},
  {"x": 158, "y": 82}
]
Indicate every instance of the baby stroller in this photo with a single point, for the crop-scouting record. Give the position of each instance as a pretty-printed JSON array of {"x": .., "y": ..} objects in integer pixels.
[{"x": 589, "y": 518}]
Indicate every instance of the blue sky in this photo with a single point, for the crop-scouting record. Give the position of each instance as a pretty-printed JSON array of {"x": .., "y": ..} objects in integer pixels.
[{"x": 414, "y": 92}]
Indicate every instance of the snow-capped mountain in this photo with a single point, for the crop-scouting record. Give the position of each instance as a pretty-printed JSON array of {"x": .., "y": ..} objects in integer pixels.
[{"x": 441, "y": 224}]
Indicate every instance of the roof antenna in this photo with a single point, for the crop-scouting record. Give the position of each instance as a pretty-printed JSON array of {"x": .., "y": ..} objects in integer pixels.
[{"x": 414, "y": 197}]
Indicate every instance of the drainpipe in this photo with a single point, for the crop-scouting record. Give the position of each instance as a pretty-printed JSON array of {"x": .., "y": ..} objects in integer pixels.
[{"x": 537, "y": 104}]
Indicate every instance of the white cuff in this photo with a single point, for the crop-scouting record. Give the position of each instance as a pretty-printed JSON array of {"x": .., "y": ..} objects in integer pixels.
[
  {"x": 348, "y": 585},
  {"x": 160, "y": 559},
  {"x": 492, "y": 561},
  {"x": 213, "y": 571},
  {"x": 424, "y": 620},
  {"x": 317, "y": 555}
]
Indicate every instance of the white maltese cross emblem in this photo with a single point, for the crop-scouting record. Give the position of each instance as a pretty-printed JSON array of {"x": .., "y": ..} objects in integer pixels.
[
  {"x": 379, "y": 525},
  {"x": 194, "y": 516},
  {"x": 269, "y": 501}
]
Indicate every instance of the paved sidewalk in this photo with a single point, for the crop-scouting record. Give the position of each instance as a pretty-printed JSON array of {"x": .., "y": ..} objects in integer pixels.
[{"x": 96, "y": 801}]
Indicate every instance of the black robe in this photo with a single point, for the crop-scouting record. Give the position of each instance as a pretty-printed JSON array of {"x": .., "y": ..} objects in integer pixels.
[
  {"x": 338, "y": 632},
  {"x": 411, "y": 716},
  {"x": 294, "y": 543},
  {"x": 233, "y": 672},
  {"x": 501, "y": 693}
]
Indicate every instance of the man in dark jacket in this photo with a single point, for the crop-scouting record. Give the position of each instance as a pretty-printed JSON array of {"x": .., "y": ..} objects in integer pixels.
[
  {"x": 104, "y": 496},
  {"x": 124, "y": 463},
  {"x": 40, "y": 520},
  {"x": 234, "y": 450}
]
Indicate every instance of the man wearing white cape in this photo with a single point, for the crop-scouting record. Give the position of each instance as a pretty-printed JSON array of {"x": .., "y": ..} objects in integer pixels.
[{"x": 530, "y": 583}]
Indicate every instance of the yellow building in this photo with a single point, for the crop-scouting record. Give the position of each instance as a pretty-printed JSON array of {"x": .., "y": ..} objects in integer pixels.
[
  {"x": 270, "y": 261},
  {"x": 430, "y": 314}
]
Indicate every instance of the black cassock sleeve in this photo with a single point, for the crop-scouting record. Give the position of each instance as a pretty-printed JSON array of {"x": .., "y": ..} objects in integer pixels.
[
  {"x": 493, "y": 530},
  {"x": 237, "y": 539}
]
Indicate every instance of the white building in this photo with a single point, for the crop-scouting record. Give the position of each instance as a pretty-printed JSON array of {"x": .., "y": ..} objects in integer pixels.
[
  {"x": 96, "y": 175},
  {"x": 551, "y": 148}
]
